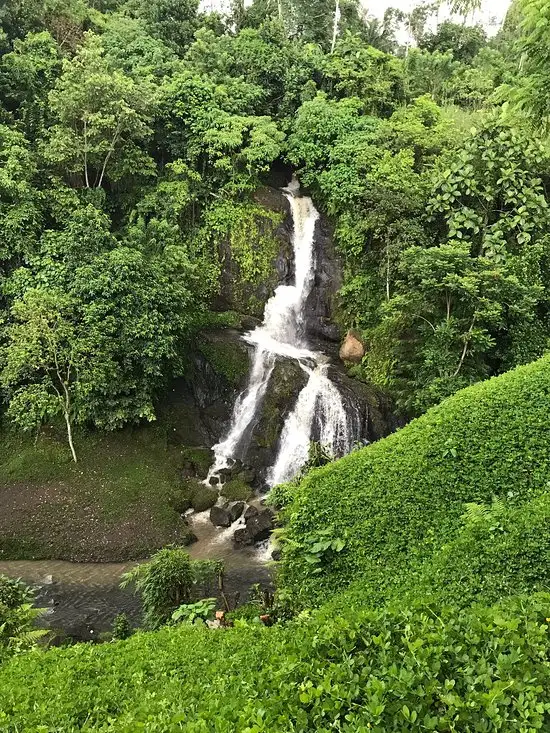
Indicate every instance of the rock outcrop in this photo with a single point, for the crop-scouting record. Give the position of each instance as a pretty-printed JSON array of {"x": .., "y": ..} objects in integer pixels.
[
  {"x": 352, "y": 350},
  {"x": 198, "y": 410},
  {"x": 257, "y": 528}
]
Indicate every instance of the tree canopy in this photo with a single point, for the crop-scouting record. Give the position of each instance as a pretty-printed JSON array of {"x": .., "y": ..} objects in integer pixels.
[{"x": 127, "y": 126}]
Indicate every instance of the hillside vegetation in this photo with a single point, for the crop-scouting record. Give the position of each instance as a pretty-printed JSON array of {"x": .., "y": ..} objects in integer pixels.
[
  {"x": 140, "y": 143},
  {"x": 135, "y": 134},
  {"x": 407, "y": 669},
  {"x": 427, "y": 660},
  {"x": 397, "y": 504}
]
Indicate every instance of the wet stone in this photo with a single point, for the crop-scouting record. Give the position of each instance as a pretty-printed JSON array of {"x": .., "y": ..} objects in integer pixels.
[
  {"x": 250, "y": 511},
  {"x": 260, "y": 526},
  {"x": 241, "y": 537},
  {"x": 220, "y": 516},
  {"x": 235, "y": 509}
]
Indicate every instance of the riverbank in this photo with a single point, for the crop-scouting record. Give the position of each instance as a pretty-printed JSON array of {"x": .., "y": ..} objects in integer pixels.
[
  {"x": 112, "y": 506},
  {"x": 81, "y": 600}
]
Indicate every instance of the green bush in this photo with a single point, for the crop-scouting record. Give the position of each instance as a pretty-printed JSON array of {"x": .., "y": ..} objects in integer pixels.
[
  {"x": 501, "y": 550},
  {"x": 399, "y": 501},
  {"x": 168, "y": 581},
  {"x": 17, "y": 618},
  {"x": 355, "y": 671}
]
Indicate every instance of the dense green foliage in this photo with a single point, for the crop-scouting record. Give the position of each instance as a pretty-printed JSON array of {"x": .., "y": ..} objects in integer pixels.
[
  {"x": 135, "y": 137},
  {"x": 166, "y": 582},
  {"x": 396, "y": 505},
  {"x": 407, "y": 669},
  {"x": 17, "y": 617},
  {"x": 134, "y": 134}
]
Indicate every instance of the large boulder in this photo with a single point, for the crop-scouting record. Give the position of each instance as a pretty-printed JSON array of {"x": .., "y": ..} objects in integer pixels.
[
  {"x": 203, "y": 497},
  {"x": 250, "y": 511},
  {"x": 235, "y": 509},
  {"x": 220, "y": 516},
  {"x": 352, "y": 350},
  {"x": 258, "y": 527},
  {"x": 236, "y": 490},
  {"x": 226, "y": 514}
]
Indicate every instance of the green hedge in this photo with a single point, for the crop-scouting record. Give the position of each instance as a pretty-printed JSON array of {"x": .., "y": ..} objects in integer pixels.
[
  {"x": 412, "y": 669},
  {"x": 501, "y": 550},
  {"x": 399, "y": 501}
]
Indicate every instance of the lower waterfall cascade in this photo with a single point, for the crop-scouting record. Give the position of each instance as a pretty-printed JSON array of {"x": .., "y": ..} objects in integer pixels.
[{"x": 319, "y": 412}]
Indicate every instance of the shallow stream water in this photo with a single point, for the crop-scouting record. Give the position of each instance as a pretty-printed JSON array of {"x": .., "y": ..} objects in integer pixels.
[{"x": 82, "y": 599}]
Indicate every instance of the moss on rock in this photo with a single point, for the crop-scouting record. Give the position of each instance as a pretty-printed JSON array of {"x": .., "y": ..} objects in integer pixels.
[
  {"x": 202, "y": 497},
  {"x": 241, "y": 239},
  {"x": 228, "y": 358},
  {"x": 197, "y": 460},
  {"x": 237, "y": 490}
]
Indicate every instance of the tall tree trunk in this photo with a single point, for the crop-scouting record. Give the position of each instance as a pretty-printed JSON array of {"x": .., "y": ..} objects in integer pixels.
[
  {"x": 465, "y": 349},
  {"x": 70, "y": 435},
  {"x": 86, "y": 154}
]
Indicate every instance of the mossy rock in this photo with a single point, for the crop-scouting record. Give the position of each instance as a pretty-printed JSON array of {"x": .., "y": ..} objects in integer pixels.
[
  {"x": 197, "y": 460},
  {"x": 237, "y": 490},
  {"x": 203, "y": 498},
  {"x": 193, "y": 494},
  {"x": 180, "y": 499},
  {"x": 228, "y": 358},
  {"x": 188, "y": 538}
]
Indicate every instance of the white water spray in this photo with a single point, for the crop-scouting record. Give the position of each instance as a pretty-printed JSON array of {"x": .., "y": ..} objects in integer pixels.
[
  {"x": 319, "y": 411},
  {"x": 319, "y": 408}
]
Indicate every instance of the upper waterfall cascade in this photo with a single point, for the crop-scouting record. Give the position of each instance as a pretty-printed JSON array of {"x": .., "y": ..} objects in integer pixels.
[{"x": 319, "y": 410}]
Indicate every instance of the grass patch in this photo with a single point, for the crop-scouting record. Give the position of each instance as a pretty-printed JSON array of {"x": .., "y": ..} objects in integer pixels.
[{"x": 117, "y": 494}]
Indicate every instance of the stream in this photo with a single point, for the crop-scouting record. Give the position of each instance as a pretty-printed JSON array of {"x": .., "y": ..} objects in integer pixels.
[{"x": 82, "y": 599}]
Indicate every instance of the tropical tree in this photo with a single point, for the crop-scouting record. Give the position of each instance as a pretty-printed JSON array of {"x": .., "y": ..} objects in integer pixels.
[
  {"x": 43, "y": 359},
  {"x": 533, "y": 89},
  {"x": 103, "y": 119}
]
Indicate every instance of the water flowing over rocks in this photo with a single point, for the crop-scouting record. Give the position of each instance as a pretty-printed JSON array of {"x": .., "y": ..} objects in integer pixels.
[
  {"x": 291, "y": 397},
  {"x": 258, "y": 395}
]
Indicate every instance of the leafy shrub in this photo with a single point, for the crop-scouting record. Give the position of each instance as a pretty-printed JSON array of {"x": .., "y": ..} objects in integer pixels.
[
  {"x": 17, "y": 618},
  {"x": 501, "y": 550},
  {"x": 191, "y": 612},
  {"x": 167, "y": 581},
  {"x": 400, "y": 500},
  {"x": 344, "y": 669},
  {"x": 121, "y": 627}
]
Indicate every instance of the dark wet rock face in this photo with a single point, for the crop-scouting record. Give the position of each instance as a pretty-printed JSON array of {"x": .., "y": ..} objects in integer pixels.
[
  {"x": 235, "y": 509},
  {"x": 200, "y": 407},
  {"x": 268, "y": 239},
  {"x": 226, "y": 514},
  {"x": 284, "y": 387},
  {"x": 258, "y": 528},
  {"x": 321, "y": 303}
]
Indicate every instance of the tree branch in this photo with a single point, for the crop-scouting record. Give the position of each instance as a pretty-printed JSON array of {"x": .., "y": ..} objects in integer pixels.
[{"x": 465, "y": 349}]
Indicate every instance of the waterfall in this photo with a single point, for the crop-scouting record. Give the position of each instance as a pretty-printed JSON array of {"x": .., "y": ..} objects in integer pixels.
[
  {"x": 319, "y": 409},
  {"x": 319, "y": 412}
]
